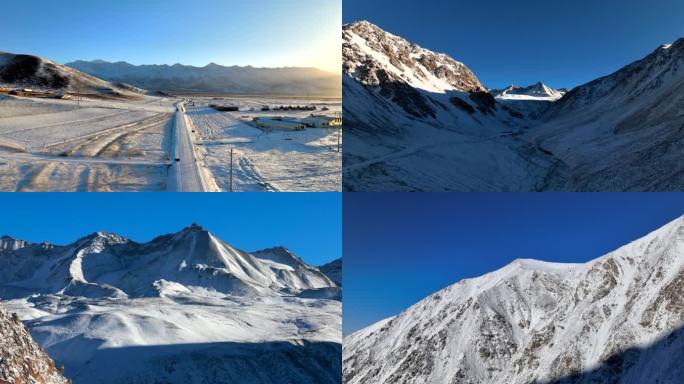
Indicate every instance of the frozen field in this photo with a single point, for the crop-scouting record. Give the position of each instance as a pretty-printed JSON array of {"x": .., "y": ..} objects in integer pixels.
[
  {"x": 148, "y": 145},
  {"x": 266, "y": 159},
  {"x": 101, "y": 145}
]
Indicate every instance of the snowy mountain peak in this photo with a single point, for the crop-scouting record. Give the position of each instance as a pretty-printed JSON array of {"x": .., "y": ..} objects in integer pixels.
[
  {"x": 279, "y": 254},
  {"x": 537, "y": 91},
  {"x": 534, "y": 321},
  {"x": 194, "y": 227},
  {"x": 376, "y": 58},
  {"x": 103, "y": 238},
  {"x": 106, "y": 264}
]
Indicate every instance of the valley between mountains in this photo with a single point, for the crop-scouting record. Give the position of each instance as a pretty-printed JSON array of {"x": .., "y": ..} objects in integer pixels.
[
  {"x": 616, "y": 319},
  {"x": 417, "y": 120},
  {"x": 185, "y": 307}
]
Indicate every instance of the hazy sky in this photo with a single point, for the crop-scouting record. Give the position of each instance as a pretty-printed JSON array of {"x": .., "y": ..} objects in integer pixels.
[
  {"x": 263, "y": 33},
  {"x": 562, "y": 43},
  {"x": 310, "y": 224},
  {"x": 414, "y": 244}
]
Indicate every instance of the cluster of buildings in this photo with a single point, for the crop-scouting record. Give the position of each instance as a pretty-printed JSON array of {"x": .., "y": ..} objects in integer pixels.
[{"x": 297, "y": 124}]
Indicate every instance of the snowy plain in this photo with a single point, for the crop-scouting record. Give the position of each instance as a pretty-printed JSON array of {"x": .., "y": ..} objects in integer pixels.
[{"x": 267, "y": 159}]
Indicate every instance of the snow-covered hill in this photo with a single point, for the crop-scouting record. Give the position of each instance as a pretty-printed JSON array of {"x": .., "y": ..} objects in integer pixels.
[
  {"x": 150, "y": 306},
  {"x": 21, "y": 359},
  {"x": 26, "y": 71},
  {"x": 616, "y": 319},
  {"x": 420, "y": 121},
  {"x": 214, "y": 78}
]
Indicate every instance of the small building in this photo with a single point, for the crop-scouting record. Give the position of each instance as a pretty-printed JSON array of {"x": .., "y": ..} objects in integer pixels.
[
  {"x": 278, "y": 123},
  {"x": 321, "y": 121}
]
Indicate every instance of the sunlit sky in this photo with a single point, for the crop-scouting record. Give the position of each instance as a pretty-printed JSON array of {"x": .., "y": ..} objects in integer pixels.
[{"x": 261, "y": 33}]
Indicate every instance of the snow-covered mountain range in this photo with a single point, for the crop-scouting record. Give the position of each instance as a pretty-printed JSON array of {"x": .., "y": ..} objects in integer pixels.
[
  {"x": 537, "y": 91},
  {"x": 616, "y": 319},
  {"x": 21, "y": 359},
  {"x": 185, "y": 307},
  {"x": 215, "y": 78},
  {"x": 421, "y": 121},
  {"x": 27, "y": 71}
]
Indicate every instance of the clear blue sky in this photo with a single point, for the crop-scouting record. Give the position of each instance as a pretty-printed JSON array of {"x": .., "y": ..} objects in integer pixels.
[
  {"x": 412, "y": 245},
  {"x": 562, "y": 43},
  {"x": 196, "y": 32},
  {"x": 309, "y": 224}
]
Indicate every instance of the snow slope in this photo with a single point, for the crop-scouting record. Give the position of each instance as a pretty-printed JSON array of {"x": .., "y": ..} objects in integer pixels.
[
  {"x": 616, "y": 319},
  {"x": 621, "y": 132},
  {"x": 420, "y": 121},
  {"x": 41, "y": 74},
  {"x": 183, "y": 308}
]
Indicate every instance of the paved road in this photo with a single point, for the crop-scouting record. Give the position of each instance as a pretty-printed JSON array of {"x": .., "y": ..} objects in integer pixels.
[{"x": 184, "y": 175}]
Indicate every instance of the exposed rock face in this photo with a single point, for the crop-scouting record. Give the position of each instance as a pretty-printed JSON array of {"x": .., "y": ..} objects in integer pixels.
[
  {"x": 375, "y": 57},
  {"x": 617, "y": 319},
  {"x": 22, "y": 361},
  {"x": 400, "y": 70}
]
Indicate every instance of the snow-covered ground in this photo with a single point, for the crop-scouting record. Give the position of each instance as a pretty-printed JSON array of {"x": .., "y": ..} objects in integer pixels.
[
  {"x": 182, "y": 308},
  {"x": 266, "y": 159},
  {"x": 99, "y": 145}
]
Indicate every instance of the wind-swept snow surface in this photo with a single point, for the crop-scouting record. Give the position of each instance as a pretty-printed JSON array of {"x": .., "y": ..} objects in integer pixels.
[
  {"x": 63, "y": 130},
  {"x": 416, "y": 120},
  {"x": 182, "y": 308},
  {"x": 616, "y": 319}
]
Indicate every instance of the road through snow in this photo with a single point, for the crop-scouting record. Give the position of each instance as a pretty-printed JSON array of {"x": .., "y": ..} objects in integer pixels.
[{"x": 184, "y": 175}]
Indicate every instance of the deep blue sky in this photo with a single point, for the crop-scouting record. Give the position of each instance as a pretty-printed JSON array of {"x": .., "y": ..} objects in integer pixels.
[
  {"x": 562, "y": 43},
  {"x": 309, "y": 224},
  {"x": 400, "y": 247},
  {"x": 197, "y": 32}
]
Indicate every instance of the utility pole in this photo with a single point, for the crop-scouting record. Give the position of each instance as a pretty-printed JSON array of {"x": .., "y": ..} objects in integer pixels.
[
  {"x": 231, "y": 171},
  {"x": 339, "y": 135}
]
